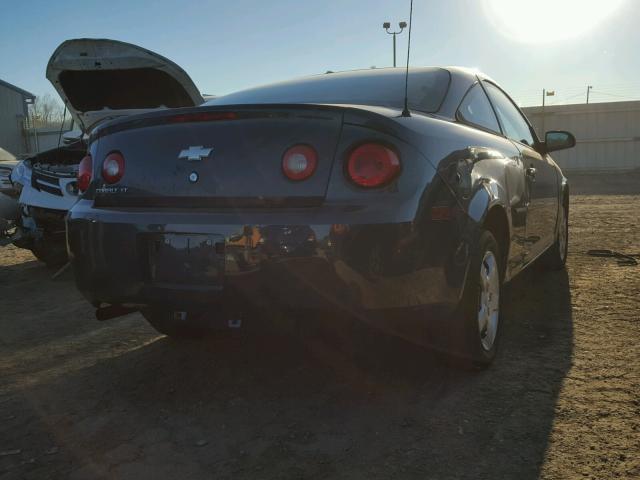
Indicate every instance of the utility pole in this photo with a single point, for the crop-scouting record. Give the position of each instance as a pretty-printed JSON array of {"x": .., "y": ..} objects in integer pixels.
[
  {"x": 387, "y": 26},
  {"x": 588, "y": 90},
  {"x": 546, "y": 93}
]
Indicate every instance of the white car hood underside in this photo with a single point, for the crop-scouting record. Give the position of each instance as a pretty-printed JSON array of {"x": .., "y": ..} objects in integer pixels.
[{"x": 101, "y": 79}]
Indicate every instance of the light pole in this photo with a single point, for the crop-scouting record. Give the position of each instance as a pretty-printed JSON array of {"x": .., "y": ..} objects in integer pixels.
[
  {"x": 387, "y": 26},
  {"x": 588, "y": 90}
]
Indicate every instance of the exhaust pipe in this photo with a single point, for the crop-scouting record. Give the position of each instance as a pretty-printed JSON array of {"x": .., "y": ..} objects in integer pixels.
[{"x": 113, "y": 311}]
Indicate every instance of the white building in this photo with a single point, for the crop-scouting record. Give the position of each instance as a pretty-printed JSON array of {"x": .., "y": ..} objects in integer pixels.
[
  {"x": 14, "y": 103},
  {"x": 607, "y": 134}
]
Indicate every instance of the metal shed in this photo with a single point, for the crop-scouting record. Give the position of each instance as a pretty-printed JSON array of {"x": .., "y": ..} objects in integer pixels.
[
  {"x": 607, "y": 134},
  {"x": 14, "y": 103}
]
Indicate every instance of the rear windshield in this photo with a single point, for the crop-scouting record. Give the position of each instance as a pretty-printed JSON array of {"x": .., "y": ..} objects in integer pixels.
[{"x": 383, "y": 87}]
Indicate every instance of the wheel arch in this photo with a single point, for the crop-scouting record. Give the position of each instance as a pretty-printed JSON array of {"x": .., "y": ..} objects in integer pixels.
[
  {"x": 497, "y": 222},
  {"x": 563, "y": 200}
]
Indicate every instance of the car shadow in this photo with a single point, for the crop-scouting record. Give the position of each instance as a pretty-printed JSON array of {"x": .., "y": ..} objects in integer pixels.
[
  {"x": 271, "y": 406},
  {"x": 40, "y": 305}
]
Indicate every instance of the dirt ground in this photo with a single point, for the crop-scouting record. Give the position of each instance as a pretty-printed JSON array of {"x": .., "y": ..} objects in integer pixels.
[{"x": 81, "y": 399}]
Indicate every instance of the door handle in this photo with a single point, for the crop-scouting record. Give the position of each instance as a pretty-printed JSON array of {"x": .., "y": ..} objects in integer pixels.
[{"x": 531, "y": 173}]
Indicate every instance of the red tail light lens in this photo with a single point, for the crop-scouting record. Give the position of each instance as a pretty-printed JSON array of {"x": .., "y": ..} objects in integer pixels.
[
  {"x": 113, "y": 167},
  {"x": 299, "y": 162},
  {"x": 85, "y": 171},
  {"x": 372, "y": 165}
]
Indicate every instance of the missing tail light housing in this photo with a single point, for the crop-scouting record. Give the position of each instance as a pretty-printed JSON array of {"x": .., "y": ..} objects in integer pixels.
[
  {"x": 372, "y": 165},
  {"x": 113, "y": 167},
  {"x": 299, "y": 162},
  {"x": 85, "y": 171}
]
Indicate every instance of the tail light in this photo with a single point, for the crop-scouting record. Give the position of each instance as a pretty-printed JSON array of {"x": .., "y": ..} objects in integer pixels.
[
  {"x": 113, "y": 167},
  {"x": 85, "y": 170},
  {"x": 299, "y": 162},
  {"x": 372, "y": 165}
]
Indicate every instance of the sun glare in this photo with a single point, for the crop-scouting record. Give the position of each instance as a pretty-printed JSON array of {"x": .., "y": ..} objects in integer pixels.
[{"x": 545, "y": 21}]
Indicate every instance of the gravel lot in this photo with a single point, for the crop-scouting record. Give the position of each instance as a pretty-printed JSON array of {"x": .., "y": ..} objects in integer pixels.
[{"x": 81, "y": 399}]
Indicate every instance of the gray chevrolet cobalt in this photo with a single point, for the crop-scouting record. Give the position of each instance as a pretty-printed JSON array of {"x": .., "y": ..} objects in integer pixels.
[{"x": 331, "y": 192}]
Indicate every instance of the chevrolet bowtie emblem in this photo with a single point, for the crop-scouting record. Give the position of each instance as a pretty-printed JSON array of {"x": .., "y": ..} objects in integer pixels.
[{"x": 195, "y": 153}]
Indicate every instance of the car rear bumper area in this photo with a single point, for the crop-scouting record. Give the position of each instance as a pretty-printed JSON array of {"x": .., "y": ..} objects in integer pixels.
[{"x": 195, "y": 259}]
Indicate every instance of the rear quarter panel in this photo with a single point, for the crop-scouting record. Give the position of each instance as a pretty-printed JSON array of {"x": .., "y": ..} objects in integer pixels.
[{"x": 481, "y": 171}]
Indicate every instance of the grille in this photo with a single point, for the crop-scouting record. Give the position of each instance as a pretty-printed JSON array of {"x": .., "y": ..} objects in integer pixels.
[
  {"x": 46, "y": 183},
  {"x": 5, "y": 181}
]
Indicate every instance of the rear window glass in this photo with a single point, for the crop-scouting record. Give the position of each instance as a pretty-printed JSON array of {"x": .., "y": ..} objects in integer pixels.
[{"x": 383, "y": 87}]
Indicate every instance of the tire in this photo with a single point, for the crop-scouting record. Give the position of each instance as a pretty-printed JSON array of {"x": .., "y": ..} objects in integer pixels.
[
  {"x": 555, "y": 258},
  {"x": 50, "y": 252},
  {"x": 166, "y": 323},
  {"x": 480, "y": 314}
]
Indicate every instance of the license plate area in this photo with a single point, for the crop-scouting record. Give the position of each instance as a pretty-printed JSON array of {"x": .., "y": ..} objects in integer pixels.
[{"x": 187, "y": 260}]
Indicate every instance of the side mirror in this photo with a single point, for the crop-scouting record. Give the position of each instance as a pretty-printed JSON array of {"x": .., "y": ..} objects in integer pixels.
[{"x": 558, "y": 140}]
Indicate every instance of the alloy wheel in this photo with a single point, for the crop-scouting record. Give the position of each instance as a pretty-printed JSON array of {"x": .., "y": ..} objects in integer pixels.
[{"x": 489, "y": 300}]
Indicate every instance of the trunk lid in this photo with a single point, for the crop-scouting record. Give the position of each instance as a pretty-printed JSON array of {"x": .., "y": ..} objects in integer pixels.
[
  {"x": 99, "y": 79},
  {"x": 241, "y": 164}
]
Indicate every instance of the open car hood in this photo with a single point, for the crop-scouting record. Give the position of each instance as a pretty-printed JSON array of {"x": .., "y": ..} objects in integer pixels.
[
  {"x": 7, "y": 156},
  {"x": 100, "y": 79}
]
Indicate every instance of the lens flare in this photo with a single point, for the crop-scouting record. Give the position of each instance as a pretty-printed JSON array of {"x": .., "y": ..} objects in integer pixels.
[{"x": 547, "y": 21}]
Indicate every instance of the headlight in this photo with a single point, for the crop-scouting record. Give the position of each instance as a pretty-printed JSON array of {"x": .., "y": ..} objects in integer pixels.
[
  {"x": 72, "y": 188},
  {"x": 19, "y": 173}
]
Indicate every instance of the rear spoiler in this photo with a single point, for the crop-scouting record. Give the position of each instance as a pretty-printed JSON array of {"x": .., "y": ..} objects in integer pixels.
[{"x": 377, "y": 118}]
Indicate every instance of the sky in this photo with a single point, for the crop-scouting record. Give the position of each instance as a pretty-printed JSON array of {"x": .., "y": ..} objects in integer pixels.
[{"x": 560, "y": 45}]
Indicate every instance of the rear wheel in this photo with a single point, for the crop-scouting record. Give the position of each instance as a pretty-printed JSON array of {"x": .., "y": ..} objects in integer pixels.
[
  {"x": 480, "y": 314},
  {"x": 555, "y": 257}
]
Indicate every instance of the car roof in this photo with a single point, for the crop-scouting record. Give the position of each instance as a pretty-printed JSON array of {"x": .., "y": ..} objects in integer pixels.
[
  {"x": 454, "y": 70},
  {"x": 461, "y": 79}
]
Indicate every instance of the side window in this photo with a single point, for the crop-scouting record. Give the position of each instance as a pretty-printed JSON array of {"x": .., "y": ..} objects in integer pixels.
[
  {"x": 514, "y": 125},
  {"x": 475, "y": 109}
]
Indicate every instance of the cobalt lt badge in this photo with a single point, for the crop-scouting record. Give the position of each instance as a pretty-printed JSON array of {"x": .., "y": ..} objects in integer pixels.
[{"x": 193, "y": 177}]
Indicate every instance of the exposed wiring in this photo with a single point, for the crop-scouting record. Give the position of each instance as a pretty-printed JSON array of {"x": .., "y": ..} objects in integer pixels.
[
  {"x": 532, "y": 98},
  {"x": 613, "y": 95}
]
